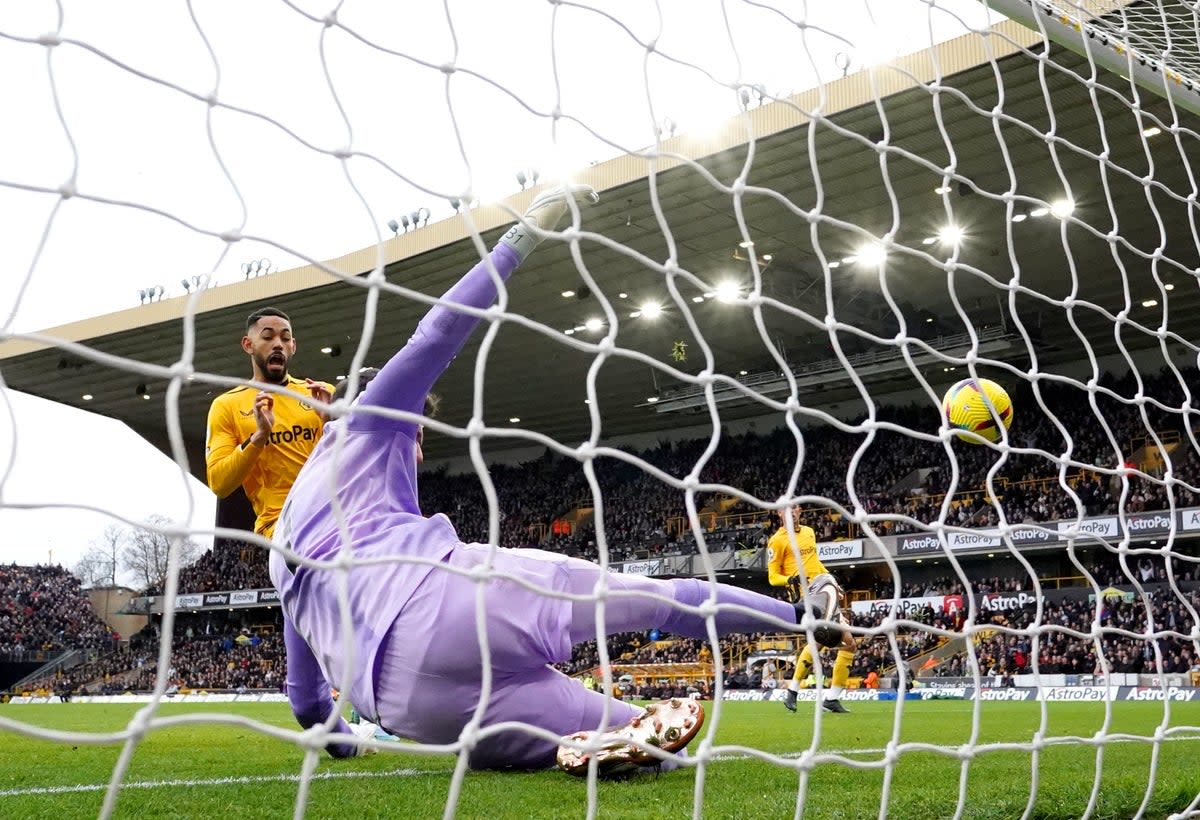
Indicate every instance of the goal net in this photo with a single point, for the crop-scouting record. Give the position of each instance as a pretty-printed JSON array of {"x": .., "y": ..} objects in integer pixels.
[{"x": 814, "y": 221}]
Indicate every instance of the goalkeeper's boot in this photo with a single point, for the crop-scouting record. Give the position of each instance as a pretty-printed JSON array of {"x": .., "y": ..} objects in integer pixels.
[
  {"x": 545, "y": 214},
  {"x": 789, "y": 700},
  {"x": 835, "y": 706},
  {"x": 668, "y": 725}
]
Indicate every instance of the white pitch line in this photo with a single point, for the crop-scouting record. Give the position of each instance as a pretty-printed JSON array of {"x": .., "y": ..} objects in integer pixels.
[
  {"x": 336, "y": 775},
  {"x": 215, "y": 781}
]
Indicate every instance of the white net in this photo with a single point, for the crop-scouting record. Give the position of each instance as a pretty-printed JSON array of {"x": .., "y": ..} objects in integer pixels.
[{"x": 812, "y": 222}]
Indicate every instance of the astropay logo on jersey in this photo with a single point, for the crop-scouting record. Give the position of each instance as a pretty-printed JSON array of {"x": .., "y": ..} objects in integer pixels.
[{"x": 296, "y": 432}]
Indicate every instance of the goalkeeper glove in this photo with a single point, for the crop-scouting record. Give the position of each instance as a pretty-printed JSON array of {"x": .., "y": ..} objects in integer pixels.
[{"x": 544, "y": 214}]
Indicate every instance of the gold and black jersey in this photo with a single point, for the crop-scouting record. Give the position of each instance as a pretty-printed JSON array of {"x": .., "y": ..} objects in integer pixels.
[{"x": 266, "y": 476}]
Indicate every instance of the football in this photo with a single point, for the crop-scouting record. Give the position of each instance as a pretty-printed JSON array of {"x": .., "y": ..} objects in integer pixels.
[{"x": 966, "y": 407}]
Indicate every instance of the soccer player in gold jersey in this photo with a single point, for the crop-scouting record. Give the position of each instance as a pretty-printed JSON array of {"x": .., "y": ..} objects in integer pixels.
[
  {"x": 793, "y": 563},
  {"x": 257, "y": 439}
]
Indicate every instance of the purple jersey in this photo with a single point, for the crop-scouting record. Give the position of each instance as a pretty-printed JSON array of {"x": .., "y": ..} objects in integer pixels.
[{"x": 363, "y": 476}]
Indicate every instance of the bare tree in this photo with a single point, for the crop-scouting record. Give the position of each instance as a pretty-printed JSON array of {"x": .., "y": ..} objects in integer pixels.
[
  {"x": 147, "y": 551},
  {"x": 101, "y": 561}
]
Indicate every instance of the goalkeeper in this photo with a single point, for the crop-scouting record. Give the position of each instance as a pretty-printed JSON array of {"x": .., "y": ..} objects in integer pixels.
[
  {"x": 417, "y": 667},
  {"x": 793, "y": 563}
]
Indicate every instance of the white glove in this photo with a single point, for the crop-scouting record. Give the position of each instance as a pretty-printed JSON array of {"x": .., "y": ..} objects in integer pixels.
[
  {"x": 545, "y": 214},
  {"x": 366, "y": 730}
]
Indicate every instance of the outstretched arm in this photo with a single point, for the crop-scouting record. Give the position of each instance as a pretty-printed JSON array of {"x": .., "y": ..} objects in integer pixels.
[
  {"x": 307, "y": 690},
  {"x": 407, "y": 378}
]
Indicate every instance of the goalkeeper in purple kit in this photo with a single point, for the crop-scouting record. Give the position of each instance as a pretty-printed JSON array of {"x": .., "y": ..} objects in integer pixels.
[{"x": 418, "y": 665}]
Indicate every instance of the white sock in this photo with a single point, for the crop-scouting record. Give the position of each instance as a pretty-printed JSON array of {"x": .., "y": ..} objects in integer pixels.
[
  {"x": 834, "y": 692},
  {"x": 794, "y": 686}
]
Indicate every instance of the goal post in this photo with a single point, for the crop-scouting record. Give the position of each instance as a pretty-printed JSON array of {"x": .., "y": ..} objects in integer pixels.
[{"x": 1153, "y": 44}]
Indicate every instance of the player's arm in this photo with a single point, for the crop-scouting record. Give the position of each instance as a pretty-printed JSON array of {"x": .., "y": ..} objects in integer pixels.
[
  {"x": 777, "y": 547},
  {"x": 407, "y": 378},
  {"x": 308, "y": 691},
  {"x": 229, "y": 459}
]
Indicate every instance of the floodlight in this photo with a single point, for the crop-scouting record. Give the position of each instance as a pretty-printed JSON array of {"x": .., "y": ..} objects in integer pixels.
[
  {"x": 871, "y": 254},
  {"x": 727, "y": 291},
  {"x": 1062, "y": 208},
  {"x": 950, "y": 235}
]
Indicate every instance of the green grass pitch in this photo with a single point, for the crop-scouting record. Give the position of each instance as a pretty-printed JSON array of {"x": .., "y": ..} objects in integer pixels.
[{"x": 207, "y": 770}]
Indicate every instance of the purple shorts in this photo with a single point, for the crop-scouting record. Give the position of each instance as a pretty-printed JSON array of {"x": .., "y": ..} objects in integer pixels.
[{"x": 429, "y": 672}]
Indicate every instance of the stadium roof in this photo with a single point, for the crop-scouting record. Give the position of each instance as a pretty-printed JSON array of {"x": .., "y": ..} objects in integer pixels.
[{"x": 543, "y": 381}]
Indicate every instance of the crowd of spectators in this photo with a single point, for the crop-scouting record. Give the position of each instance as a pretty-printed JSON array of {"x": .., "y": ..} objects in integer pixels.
[
  {"x": 228, "y": 565},
  {"x": 226, "y": 651},
  {"x": 897, "y": 481},
  {"x": 1107, "y": 649},
  {"x": 240, "y": 660},
  {"x": 44, "y": 609},
  {"x": 211, "y": 652}
]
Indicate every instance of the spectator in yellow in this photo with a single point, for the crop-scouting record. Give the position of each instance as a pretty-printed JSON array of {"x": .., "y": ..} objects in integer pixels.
[{"x": 793, "y": 563}]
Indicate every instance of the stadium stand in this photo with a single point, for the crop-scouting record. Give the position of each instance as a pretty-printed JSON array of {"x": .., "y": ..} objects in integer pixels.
[{"x": 545, "y": 502}]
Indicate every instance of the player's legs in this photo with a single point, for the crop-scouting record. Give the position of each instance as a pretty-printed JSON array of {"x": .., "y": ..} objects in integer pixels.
[
  {"x": 803, "y": 665},
  {"x": 629, "y": 606},
  {"x": 531, "y": 623},
  {"x": 841, "y": 673},
  {"x": 428, "y": 675}
]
